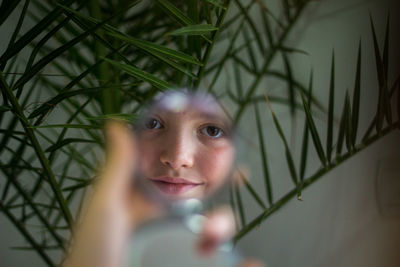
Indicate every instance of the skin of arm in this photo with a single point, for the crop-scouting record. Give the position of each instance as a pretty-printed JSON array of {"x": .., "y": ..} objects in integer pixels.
[{"x": 113, "y": 210}]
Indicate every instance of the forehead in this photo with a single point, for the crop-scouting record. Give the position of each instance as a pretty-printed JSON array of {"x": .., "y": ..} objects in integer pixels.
[
  {"x": 191, "y": 114},
  {"x": 194, "y": 105}
]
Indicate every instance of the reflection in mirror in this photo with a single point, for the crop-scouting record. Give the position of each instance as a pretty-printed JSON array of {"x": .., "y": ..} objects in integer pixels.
[
  {"x": 185, "y": 145},
  {"x": 186, "y": 152}
]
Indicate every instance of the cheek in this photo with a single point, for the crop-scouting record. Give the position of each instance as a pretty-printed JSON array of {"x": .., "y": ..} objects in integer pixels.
[
  {"x": 215, "y": 165},
  {"x": 147, "y": 157}
]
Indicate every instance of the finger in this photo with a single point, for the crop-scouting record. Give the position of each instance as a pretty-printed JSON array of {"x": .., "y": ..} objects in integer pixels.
[
  {"x": 218, "y": 228},
  {"x": 120, "y": 152},
  {"x": 120, "y": 143}
]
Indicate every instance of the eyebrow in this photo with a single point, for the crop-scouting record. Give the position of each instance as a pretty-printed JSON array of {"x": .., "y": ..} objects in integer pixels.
[{"x": 201, "y": 114}]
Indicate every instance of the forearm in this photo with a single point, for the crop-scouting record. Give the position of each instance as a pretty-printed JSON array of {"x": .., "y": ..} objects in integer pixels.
[{"x": 100, "y": 237}]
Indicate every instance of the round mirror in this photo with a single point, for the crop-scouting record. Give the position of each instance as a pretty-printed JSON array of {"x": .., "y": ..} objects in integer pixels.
[
  {"x": 186, "y": 152},
  {"x": 169, "y": 243}
]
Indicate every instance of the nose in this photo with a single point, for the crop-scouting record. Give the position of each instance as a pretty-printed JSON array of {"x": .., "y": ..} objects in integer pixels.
[{"x": 178, "y": 151}]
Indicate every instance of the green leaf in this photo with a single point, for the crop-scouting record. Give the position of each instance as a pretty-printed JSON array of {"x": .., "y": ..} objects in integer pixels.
[
  {"x": 304, "y": 148},
  {"x": 289, "y": 158},
  {"x": 387, "y": 105},
  {"x": 226, "y": 55},
  {"x": 198, "y": 29},
  {"x": 54, "y": 54},
  {"x": 32, "y": 34},
  {"x": 380, "y": 114},
  {"x": 331, "y": 110},
  {"x": 216, "y": 3},
  {"x": 65, "y": 94},
  {"x": 267, "y": 27},
  {"x": 4, "y": 108},
  {"x": 303, "y": 159},
  {"x": 314, "y": 133},
  {"x": 385, "y": 58},
  {"x": 159, "y": 49},
  {"x": 22, "y": 229},
  {"x": 356, "y": 97},
  {"x": 250, "y": 50},
  {"x": 220, "y": 19},
  {"x": 251, "y": 23},
  {"x": 298, "y": 86},
  {"x": 32, "y": 248},
  {"x": 348, "y": 124},
  {"x": 385, "y": 63},
  {"x": 29, "y": 202},
  {"x": 373, "y": 122},
  {"x": 286, "y": 9},
  {"x": 243, "y": 64},
  {"x": 106, "y": 26},
  {"x": 207, "y": 13},
  {"x": 175, "y": 12},
  {"x": 68, "y": 141},
  {"x": 77, "y": 186},
  {"x": 142, "y": 75},
  {"x": 289, "y": 72},
  {"x": 6, "y": 8},
  {"x": 162, "y": 53},
  {"x": 66, "y": 166},
  {"x": 251, "y": 190},
  {"x": 77, "y": 126},
  {"x": 38, "y": 47},
  {"x": 238, "y": 81},
  {"x": 292, "y": 50},
  {"x": 73, "y": 153},
  {"x": 266, "y": 64},
  {"x": 233, "y": 205},
  {"x": 267, "y": 179},
  {"x": 292, "y": 168},
  {"x": 14, "y": 161},
  {"x": 127, "y": 117},
  {"x": 50, "y": 104},
  {"x": 35, "y": 143},
  {"x": 42, "y": 205},
  {"x": 19, "y": 23},
  {"x": 369, "y": 131},
  {"x": 240, "y": 206},
  {"x": 234, "y": 18}
]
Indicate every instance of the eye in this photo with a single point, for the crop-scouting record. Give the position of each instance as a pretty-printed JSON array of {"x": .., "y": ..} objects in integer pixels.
[
  {"x": 212, "y": 131},
  {"x": 153, "y": 123}
]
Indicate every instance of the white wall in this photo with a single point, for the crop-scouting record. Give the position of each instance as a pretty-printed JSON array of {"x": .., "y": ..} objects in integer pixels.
[{"x": 338, "y": 223}]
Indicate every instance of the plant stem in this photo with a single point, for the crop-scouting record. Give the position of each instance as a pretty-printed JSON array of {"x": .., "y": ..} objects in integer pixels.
[
  {"x": 27, "y": 235},
  {"x": 307, "y": 182},
  {"x": 210, "y": 46},
  {"x": 35, "y": 143},
  {"x": 110, "y": 98},
  {"x": 267, "y": 62}
]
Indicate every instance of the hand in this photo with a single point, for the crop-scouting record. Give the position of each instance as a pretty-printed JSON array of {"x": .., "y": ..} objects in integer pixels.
[
  {"x": 218, "y": 228},
  {"x": 114, "y": 209}
]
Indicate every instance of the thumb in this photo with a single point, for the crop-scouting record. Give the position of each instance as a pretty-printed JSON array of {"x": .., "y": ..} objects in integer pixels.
[{"x": 120, "y": 151}]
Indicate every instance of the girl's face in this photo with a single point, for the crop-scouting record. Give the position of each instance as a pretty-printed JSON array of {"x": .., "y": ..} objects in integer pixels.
[{"x": 186, "y": 152}]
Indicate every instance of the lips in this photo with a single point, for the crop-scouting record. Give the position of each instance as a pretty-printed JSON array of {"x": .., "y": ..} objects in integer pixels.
[{"x": 174, "y": 185}]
